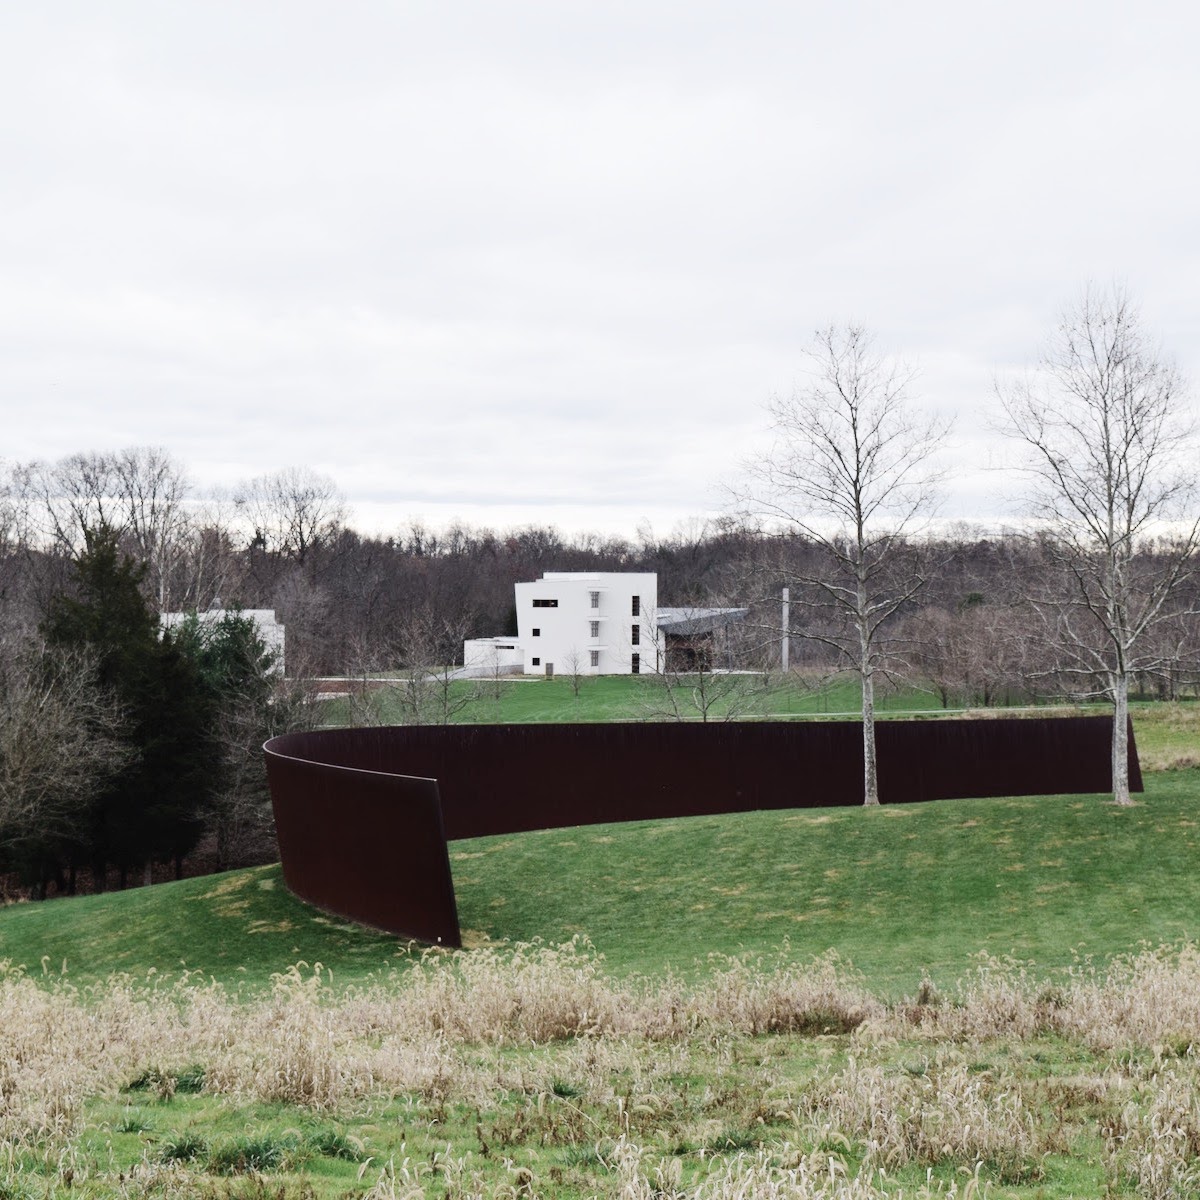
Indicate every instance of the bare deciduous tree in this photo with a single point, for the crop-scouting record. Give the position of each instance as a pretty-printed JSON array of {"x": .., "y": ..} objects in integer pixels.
[
  {"x": 851, "y": 470},
  {"x": 18, "y": 538},
  {"x": 240, "y": 815},
  {"x": 496, "y": 680},
  {"x": 700, "y": 693},
  {"x": 702, "y": 674},
  {"x": 76, "y": 494},
  {"x": 973, "y": 655},
  {"x": 292, "y": 510},
  {"x": 211, "y": 566},
  {"x": 16, "y": 531},
  {"x": 426, "y": 689},
  {"x": 1107, "y": 444},
  {"x": 574, "y": 668},
  {"x": 140, "y": 493},
  {"x": 153, "y": 489},
  {"x": 60, "y": 745}
]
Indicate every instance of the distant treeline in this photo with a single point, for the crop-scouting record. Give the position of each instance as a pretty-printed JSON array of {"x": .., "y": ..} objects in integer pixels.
[{"x": 353, "y": 602}]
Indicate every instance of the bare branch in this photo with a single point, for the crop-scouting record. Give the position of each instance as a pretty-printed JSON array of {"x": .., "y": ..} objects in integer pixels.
[
  {"x": 852, "y": 470},
  {"x": 1109, "y": 456}
]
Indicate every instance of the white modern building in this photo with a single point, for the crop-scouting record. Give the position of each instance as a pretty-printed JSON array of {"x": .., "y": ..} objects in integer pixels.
[{"x": 591, "y": 623}]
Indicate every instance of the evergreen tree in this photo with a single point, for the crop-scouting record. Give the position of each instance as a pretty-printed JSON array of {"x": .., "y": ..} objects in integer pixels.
[
  {"x": 152, "y": 810},
  {"x": 239, "y": 673}
]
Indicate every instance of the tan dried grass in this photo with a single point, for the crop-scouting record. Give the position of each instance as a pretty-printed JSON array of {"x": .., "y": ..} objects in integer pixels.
[
  {"x": 759, "y": 997},
  {"x": 1143, "y": 1000},
  {"x": 443, "y": 1032},
  {"x": 1156, "y": 1147}
]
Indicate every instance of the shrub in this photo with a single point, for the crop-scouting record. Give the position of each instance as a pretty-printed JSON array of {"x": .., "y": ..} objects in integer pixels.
[
  {"x": 261, "y": 1152},
  {"x": 183, "y": 1147}
]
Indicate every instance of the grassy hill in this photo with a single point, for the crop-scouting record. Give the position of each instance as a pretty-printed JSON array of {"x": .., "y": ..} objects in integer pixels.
[
  {"x": 240, "y": 926},
  {"x": 898, "y": 891}
]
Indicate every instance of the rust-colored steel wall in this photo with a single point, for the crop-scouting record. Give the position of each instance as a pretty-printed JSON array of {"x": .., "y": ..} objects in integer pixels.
[
  {"x": 363, "y": 814},
  {"x": 365, "y": 845}
]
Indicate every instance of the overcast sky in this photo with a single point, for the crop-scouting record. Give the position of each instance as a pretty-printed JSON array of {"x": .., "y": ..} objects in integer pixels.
[{"x": 545, "y": 262}]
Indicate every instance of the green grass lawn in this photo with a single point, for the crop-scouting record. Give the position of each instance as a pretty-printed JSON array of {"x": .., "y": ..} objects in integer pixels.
[
  {"x": 630, "y": 698},
  {"x": 238, "y": 927},
  {"x": 1168, "y": 735},
  {"x": 899, "y": 891},
  {"x": 534, "y": 699}
]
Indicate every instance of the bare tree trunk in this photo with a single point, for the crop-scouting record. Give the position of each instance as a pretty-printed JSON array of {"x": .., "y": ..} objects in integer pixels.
[
  {"x": 870, "y": 768},
  {"x": 1120, "y": 740}
]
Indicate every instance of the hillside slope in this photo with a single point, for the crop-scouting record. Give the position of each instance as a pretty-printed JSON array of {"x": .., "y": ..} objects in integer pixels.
[{"x": 898, "y": 891}]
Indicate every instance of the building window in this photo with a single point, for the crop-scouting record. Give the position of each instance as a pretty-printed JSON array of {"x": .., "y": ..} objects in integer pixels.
[
  {"x": 635, "y": 635},
  {"x": 545, "y": 604},
  {"x": 537, "y": 662},
  {"x": 594, "y": 599},
  {"x": 635, "y": 667},
  {"x": 594, "y": 627},
  {"x": 637, "y": 606},
  {"x": 595, "y": 658},
  {"x": 537, "y": 633}
]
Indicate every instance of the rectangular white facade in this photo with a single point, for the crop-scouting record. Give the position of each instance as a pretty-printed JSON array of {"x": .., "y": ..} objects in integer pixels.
[
  {"x": 588, "y": 623},
  {"x": 493, "y": 656}
]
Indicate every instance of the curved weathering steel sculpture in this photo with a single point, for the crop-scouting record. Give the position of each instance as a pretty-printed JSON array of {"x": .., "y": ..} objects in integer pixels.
[{"x": 363, "y": 815}]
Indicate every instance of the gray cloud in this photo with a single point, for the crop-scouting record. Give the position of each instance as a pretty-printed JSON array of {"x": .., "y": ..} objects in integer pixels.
[{"x": 554, "y": 258}]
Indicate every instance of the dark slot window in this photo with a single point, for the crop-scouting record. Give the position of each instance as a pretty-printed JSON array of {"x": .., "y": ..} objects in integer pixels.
[
  {"x": 637, "y": 606},
  {"x": 537, "y": 662},
  {"x": 636, "y": 666},
  {"x": 545, "y": 604},
  {"x": 537, "y": 633},
  {"x": 635, "y": 635}
]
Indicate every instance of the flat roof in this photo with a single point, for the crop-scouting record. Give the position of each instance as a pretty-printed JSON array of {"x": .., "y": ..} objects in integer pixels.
[{"x": 595, "y": 575}]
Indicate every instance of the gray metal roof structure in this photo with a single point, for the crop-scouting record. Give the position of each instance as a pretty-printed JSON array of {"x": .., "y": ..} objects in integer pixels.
[{"x": 688, "y": 622}]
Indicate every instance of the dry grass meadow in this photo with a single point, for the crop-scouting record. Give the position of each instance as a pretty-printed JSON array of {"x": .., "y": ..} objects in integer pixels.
[{"x": 529, "y": 1072}]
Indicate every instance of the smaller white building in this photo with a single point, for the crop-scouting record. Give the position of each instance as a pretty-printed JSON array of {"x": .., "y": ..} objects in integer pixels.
[
  {"x": 493, "y": 656},
  {"x": 269, "y": 629}
]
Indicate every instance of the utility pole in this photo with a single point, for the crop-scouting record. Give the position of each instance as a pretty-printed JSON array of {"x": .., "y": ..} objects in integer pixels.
[{"x": 784, "y": 648}]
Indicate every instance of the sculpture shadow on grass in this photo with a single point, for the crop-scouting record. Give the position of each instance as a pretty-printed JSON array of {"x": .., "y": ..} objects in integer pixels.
[{"x": 363, "y": 815}]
